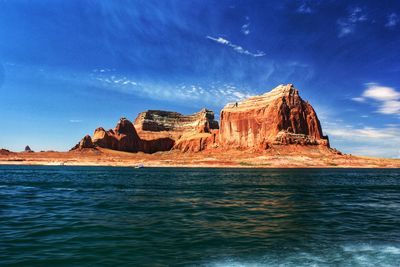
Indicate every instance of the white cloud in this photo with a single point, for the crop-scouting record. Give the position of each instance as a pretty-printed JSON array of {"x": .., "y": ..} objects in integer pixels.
[
  {"x": 219, "y": 40},
  {"x": 348, "y": 25},
  {"x": 75, "y": 121},
  {"x": 387, "y": 98},
  {"x": 392, "y": 20},
  {"x": 235, "y": 47},
  {"x": 380, "y": 93}
]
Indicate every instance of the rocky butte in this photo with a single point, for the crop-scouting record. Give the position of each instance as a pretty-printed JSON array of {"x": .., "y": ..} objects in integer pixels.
[
  {"x": 279, "y": 117},
  {"x": 272, "y": 120}
]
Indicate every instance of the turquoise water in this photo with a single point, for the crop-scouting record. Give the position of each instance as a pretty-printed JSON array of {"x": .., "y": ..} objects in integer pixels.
[{"x": 95, "y": 216}]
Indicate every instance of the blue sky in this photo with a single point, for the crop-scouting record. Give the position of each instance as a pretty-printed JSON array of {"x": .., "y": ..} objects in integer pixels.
[{"x": 68, "y": 67}]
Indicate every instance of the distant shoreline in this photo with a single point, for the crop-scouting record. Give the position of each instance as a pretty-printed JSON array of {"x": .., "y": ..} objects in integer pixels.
[{"x": 313, "y": 158}]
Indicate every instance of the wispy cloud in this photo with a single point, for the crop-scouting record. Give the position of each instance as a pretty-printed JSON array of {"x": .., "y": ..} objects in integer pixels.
[
  {"x": 392, "y": 20},
  {"x": 214, "y": 94},
  {"x": 236, "y": 48},
  {"x": 75, "y": 121},
  {"x": 246, "y": 27},
  {"x": 348, "y": 25},
  {"x": 304, "y": 8},
  {"x": 387, "y": 98}
]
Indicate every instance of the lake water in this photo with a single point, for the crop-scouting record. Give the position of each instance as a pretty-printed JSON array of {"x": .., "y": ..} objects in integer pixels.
[{"x": 104, "y": 216}]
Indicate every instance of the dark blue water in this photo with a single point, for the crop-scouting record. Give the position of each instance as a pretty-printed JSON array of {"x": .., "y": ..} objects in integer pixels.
[{"x": 94, "y": 216}]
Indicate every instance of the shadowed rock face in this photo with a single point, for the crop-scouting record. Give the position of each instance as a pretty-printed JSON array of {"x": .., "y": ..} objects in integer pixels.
[
  {"x": 278, "y": 117},
  {"x": 86, "y": 142}
]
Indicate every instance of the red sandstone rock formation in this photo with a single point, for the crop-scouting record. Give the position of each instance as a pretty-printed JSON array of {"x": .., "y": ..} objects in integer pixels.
[
  {"x": 189, "y": 132},
  {"x": 86, "y": 142},
  {"x": 278, "y": 117},
  {"x": 197, "y": 142},
  {"x": 123, "y": 138},
  {"x": 155, "y": 131},
  {"x": 4, "y": 151}
]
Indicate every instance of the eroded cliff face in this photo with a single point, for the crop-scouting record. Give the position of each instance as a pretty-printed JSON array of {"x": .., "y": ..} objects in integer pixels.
[
  {"x": 279, "y": 117},
  {"x": 167, "y": 121}
]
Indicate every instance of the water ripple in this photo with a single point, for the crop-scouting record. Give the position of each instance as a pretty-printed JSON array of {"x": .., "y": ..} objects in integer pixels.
[{"x": 85, "y": 216}]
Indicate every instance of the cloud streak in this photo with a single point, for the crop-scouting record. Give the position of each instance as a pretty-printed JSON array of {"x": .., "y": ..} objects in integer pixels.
[
  {"x": 365, "y": 140},
  {"x": 236, "y": 48},
  {"x": 246, "y": 27}
]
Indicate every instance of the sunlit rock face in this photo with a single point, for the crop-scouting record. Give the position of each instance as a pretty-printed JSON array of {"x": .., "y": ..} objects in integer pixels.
[
  {"x": 279, "y": 117},
  {"x": 161, "y": 121},
  {"x": 197, "y": 142}
]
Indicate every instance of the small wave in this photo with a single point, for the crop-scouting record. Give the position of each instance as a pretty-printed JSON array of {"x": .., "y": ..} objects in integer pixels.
[
  {"x": 65, "y": 189},
  {"x": 347, "y": 255},
  {"x": 360, "y": 248}
]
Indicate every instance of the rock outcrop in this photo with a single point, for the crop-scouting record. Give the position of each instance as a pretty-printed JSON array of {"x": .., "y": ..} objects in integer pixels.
[
  {"x": 123, "y": 138},
  {"x": 156, "y": 130},
  {"x": 188, "y": 132},
  {"x": 86, "y": 142},
  {"x": 28, "y": 149},
  {"x": 279, "y": 117}
]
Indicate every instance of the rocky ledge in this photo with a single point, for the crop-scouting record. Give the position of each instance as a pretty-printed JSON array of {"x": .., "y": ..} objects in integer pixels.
[{"x": 277, "y": 118}]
